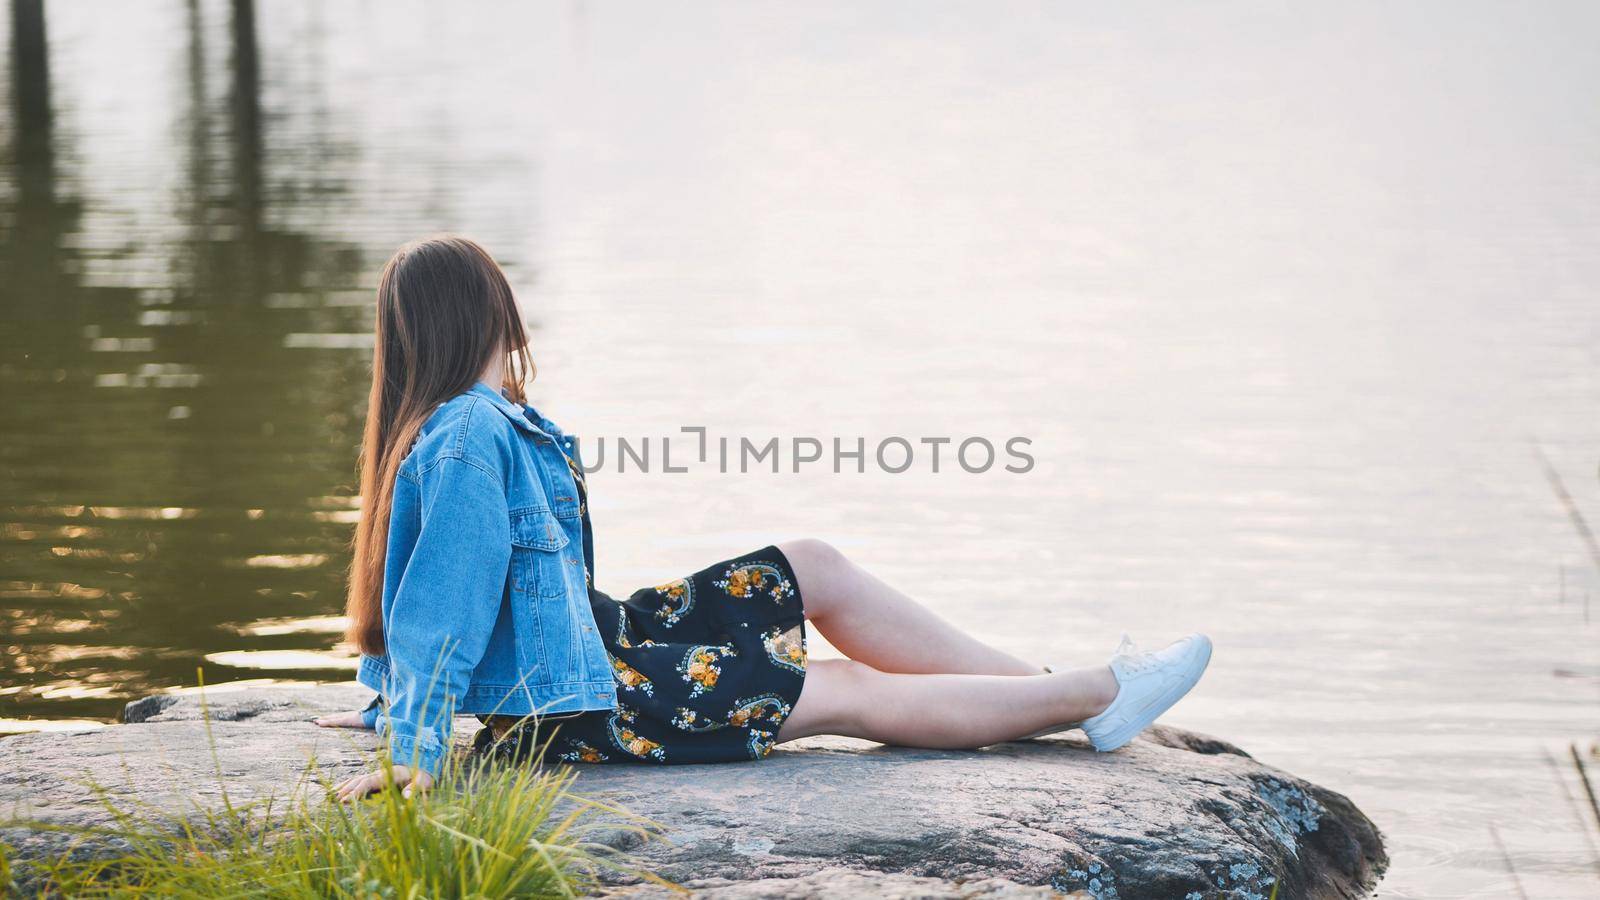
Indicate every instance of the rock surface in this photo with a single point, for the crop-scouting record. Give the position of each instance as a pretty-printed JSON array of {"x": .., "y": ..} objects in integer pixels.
[
  {"x": 836, "y": 883},
  {"x": 1174, "y": 814}
]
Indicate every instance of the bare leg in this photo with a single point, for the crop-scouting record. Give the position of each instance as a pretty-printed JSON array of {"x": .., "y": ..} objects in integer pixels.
[
  {"x": 873, "y": 623},
  {"x": 842, "y": 696}
]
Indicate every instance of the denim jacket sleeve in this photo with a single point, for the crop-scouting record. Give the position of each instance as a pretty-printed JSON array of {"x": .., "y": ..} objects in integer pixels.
[
  {"x": 371, "y": 713},
  {"x": 445, "y": 606}
]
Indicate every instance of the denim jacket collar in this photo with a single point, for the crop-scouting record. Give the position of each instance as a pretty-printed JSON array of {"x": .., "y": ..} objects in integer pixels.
[{"x": 521, "y": 415}]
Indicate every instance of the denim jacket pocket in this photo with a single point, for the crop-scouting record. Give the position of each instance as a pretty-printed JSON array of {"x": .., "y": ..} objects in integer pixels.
[{"x": 536, "y": 541}]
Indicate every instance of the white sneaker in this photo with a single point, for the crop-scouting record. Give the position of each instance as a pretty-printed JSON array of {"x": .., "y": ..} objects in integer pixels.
[{"x": 1148, "y": 684}]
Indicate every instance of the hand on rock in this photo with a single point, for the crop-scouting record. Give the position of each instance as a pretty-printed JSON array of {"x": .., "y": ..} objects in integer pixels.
[{"x": 341, "y": 720}]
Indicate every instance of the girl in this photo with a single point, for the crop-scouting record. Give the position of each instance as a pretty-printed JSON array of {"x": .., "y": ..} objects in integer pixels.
[{"x": 472, "y": 591}]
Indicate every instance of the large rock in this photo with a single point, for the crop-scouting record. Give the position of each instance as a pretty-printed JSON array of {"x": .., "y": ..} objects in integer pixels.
[{"x": 1174, "y": 814}]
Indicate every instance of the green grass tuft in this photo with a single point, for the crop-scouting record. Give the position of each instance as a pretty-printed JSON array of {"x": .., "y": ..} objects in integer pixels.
[
  {"x": 7, "y": 886},
  {"x": 485, "y": 830}
]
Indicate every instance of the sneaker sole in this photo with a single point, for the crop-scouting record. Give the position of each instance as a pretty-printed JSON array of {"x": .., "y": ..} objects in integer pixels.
[{"x": 1165, "y": 702}]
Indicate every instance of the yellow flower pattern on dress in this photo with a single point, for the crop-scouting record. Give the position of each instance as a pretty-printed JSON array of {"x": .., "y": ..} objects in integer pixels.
[
  {"x": 582, "y": 752},
  {"x": 623, "y": 735},
  {"x": 704, "y": 669},
  {"x": 631, "y": 678},
  {"x": 760, "y": 742},
  {"x": 699, "y": 667},
  {"x": 756, "y": 578},
  {"x": 765, "y": 708},
  {"x": 677, "y": 598},
  {"x": 689, "y": 720},
  {"x": 785, "y": 648}
]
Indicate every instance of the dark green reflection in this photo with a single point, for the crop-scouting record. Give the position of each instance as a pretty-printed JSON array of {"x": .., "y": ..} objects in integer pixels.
[{"x": 178, "y": 454}]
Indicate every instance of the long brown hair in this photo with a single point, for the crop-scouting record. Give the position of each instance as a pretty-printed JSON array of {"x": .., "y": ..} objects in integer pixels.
[{"x": 444, "y": 310}]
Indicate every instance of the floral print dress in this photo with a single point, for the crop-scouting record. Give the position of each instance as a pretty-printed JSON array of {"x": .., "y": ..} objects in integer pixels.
[{"x": 707, "y": 668}]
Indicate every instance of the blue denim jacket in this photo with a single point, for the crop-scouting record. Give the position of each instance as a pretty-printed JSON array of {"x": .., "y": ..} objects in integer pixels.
[{"x": 485, "y": 596}]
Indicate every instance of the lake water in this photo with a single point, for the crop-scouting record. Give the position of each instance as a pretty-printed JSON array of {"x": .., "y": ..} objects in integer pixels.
[{"x": 1286, "y": 301}]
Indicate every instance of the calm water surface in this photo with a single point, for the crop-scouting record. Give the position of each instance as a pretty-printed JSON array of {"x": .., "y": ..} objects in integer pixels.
[{"x": 1285, "y": 300}]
